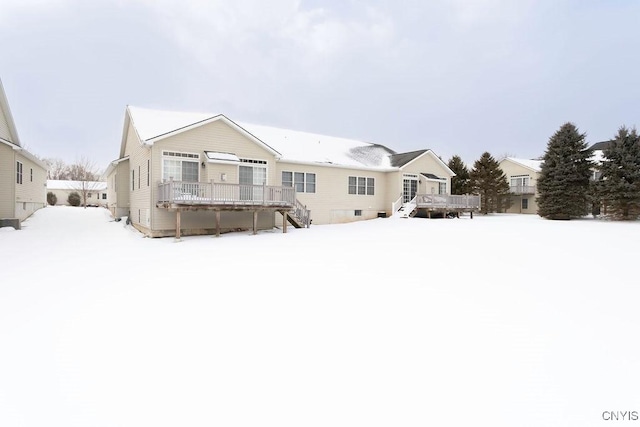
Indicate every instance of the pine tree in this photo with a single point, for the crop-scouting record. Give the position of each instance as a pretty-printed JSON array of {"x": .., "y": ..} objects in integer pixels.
[
  {"x": 620, "y": 185},
  {"x": 460, "y": 182},
  {"x": 563, "y": 184},
  {"x": 488, "y": 180}
]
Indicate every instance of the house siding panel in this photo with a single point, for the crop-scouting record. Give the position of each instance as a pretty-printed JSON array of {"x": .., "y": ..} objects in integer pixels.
[
  {"x": 7, "y": 181},
  {"x": 31, "y": 195},
  {"x": 138, "y": 191},
  {"x": 427, "y": 164},
  {"x": 332, "y": 203},
  {"x": 215, "y": 136}
]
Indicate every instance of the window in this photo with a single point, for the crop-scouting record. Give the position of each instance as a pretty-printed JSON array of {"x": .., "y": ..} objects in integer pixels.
[
  {"x": 303, "y": 182},
  {"x": 298, "y": 181},
  {"x": 104, "y": 196},
  {"x": 442, "y": 188},
  {"x": 352, "y": 185},
  {"x": 18, "y": 172},
  {"x": 361, "y": 185},
  {"x": 88, "y": 195},
  {"x": 133, "y": 179},
  {"x": 520, "y": 181},
  {"x": 139, "y": 174},
  {"x": 180, "y": 166},
  {"x": 357, "y": 212},
  {"x": 287, "y": 179},
  {"x": 31, "y": 175},
  {"x": 525, "y": 203},
  {"x": 311, "y": 183}
]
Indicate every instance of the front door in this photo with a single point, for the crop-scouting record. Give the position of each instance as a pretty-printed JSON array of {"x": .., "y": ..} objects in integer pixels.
[{"x": 409, "y": 188}]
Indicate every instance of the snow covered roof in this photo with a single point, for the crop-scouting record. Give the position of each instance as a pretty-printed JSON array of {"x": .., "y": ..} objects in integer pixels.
[
  {"x": 60, "y": 184},
  {"x": 151, "y": 124},
  {"x": 286, "y": 144},
  {"x": 598, "y": 151},
  {"x": 531, "y": 164},
  {"x": 289, "y": 145},
  {"x": 315, "y": 148}
]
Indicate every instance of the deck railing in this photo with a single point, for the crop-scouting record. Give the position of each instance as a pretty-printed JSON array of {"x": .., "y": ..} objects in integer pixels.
[
  {"x": 522, "y": 189},
  {"x": 209, "y": 193},
  {"x": 448, "y": 201}
]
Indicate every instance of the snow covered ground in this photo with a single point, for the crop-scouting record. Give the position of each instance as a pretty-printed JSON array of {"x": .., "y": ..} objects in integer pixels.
[{"x": 499, "y": 321}]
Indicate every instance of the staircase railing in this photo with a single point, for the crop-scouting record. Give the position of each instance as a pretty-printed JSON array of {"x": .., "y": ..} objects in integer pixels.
[
  {"x": 302, "y": 214},
  {"x": 396, "y": 205}
]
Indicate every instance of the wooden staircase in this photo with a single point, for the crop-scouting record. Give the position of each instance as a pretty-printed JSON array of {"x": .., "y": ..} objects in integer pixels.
[
  {"x": 408, "y": 210},
  {"x": 299, "y": 216}
]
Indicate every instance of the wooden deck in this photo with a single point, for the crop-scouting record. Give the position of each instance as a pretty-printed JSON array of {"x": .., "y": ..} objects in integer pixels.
[
  {"x": 447, "y": 203},
  {"x": 179, "y": 196}
]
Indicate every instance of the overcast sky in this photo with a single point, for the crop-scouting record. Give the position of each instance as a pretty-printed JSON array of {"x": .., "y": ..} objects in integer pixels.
[{"x": 459, "y": 77}]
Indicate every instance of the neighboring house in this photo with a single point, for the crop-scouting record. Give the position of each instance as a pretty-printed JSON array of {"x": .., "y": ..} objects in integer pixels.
[
  {"x": 522, "y": 176},
  {"x": 597, "y": 155},
  {"x": 190, "y": 173},
  {"x": 22, "y": 175},
  {"x": 96, "y": 191}
]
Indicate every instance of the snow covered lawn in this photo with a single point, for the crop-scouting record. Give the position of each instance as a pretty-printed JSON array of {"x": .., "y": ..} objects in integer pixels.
[{"x": 499, "y": 321}]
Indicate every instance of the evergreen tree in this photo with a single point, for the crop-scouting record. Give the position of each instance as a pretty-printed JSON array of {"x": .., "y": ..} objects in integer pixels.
[
  {"x": 620, "y": 184},
  {"x": 563, "y": 184},
  {"x": 488, "y": 180},
  {"x": 460, "y": 182}
]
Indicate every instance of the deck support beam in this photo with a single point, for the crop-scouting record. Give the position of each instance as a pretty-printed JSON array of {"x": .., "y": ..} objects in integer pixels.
[
  {"x": 217, "y": 223},
  {"x": 284, "y": 221},
  {"x": 255, "y": 222},
  {"x": 178, "y": 225}
]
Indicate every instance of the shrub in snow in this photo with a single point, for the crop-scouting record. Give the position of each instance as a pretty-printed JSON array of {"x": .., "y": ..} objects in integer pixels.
[
  {"x": 74, "y": 199},
  {"x": 52, "y": 199}
]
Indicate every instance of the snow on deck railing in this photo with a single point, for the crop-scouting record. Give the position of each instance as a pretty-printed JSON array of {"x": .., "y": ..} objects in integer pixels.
[
  {"x": 448, "y": 201},
  {"x": 210, "y": 193}
]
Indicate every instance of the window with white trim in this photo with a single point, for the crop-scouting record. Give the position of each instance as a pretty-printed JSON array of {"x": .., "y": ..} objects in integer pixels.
[
  {"x": 180, "y": 166},
  {"x": 361, "y": 185},
  {"x": 442, "y": 188},
  {"x": 303, "y": 182},
  {"x": 525, "y": 204}
]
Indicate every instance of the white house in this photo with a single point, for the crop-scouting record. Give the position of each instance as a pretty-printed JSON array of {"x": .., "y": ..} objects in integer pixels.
[
  {"x": 193, "y": 173},
  {"x": 95, "y": 191}
]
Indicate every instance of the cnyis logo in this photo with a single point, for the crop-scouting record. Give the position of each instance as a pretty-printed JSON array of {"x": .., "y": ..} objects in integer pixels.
[{"x": 620, "y": 415}]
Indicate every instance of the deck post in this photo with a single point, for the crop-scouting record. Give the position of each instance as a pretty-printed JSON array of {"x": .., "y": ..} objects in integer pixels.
[
  {"x": 178, "y": 225},
  {"x": 471, "y": 214},
  {"x": 217, "y": 223},
  {"x": 284, "y": 221},
  {"x": 255, "y": 222}
]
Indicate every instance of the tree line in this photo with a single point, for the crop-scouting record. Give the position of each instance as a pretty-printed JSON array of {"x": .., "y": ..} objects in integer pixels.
[{"x": 571, "y": 183}]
